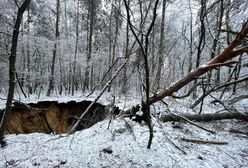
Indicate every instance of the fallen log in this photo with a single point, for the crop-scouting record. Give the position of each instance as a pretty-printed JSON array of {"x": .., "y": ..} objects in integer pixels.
[{"x": 206, "y": 117}]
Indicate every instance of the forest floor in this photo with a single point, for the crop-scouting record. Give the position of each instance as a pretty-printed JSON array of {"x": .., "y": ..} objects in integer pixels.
[{"x": 119, "y": 147}]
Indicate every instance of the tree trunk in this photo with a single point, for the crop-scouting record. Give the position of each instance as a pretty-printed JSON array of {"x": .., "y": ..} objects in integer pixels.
[
  {"x": 160, "y": 51},
  {"x": 24, "y": 67},
  {"x": 237, "y": 74},
  {"x": 89, "y": 45},
  {"x": 110, "y": 43},
  {"x": 76, "y": 49},
  {"x": 201, "y": 43},
  {"x": 216, "y": 39},
  {"x": 125, "y": 83},
  {"x": 28, "y": 55},
  {"x": 191, "y": 38},
  {"x": 206, "y": 117},
  {"x": 51, "y": 80},
  {"x": 12, "y": 70}
]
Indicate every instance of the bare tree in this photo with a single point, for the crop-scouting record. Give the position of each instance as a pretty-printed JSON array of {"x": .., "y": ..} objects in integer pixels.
[
  {"x": 201, "y": 43},
  {"x": 76, "y": 50},
  {"x": 28, "y": 54},
  {"x": 115, "y": 15},
  {"x": 51, "y": 79},
  {"x": 125, "y": 84},
  {"x": 12, "y": 69},
  {"x": 217, "y": 36},
  {"x": 92, "y": 6},
  {"x": 144, "y": 50},
  {"x": 160, "y": 50},
  {"x": 191, "y": 38}
]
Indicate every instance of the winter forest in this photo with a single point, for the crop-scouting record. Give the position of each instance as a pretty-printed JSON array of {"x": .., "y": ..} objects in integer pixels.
[{"x": 123, "y": 83}]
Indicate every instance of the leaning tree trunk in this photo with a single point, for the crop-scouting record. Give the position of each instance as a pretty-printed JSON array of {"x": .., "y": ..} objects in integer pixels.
[
  {"x": 230, "y": 52},
  {"x": 12, "y": 70}
]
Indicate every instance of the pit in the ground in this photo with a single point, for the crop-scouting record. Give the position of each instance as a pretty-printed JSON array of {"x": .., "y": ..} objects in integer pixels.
[{"x": 52, "y": 117}]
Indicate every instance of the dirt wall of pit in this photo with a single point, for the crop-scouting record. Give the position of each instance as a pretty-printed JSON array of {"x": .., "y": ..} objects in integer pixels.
[{"x": 52, "y": 117}]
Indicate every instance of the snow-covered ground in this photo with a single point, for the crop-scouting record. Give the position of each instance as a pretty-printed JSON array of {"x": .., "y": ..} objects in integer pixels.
[
  {"x": 118, "y": 147},
  {"x": 97, "y": 147}
]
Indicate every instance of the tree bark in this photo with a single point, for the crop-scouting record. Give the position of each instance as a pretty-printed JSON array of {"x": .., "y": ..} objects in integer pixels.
[{"x": 12, "y": 69}]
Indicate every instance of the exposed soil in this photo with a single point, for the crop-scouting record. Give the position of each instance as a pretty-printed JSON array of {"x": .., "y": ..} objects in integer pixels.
[{"x": 52, "y": 117}]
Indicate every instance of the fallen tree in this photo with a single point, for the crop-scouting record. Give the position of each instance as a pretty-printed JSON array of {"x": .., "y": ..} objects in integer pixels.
[
  {"x": 205, "y": 117},
  {"x": 231, "y": 51}
]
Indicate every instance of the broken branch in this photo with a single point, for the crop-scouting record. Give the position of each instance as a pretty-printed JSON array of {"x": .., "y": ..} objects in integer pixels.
[
  {"x": 73, "y": 129},
  {"x": 238, "y": 131},
  {"x": 193, "y": 123},
  {"x": 199, "y": 141}
]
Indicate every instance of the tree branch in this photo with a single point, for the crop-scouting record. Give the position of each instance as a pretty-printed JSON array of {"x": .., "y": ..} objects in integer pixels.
[
  {"x": 230, "y": 31},
  {"x": 73, "y": 129},
  {"x": 217, "y": 88},
  {"x": 6, "y": 33},
  {"x": 199, "y": 141}
]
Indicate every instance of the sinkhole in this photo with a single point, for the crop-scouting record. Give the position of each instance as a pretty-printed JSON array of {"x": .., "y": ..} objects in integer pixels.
[{"x": 52, "y": 116}]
